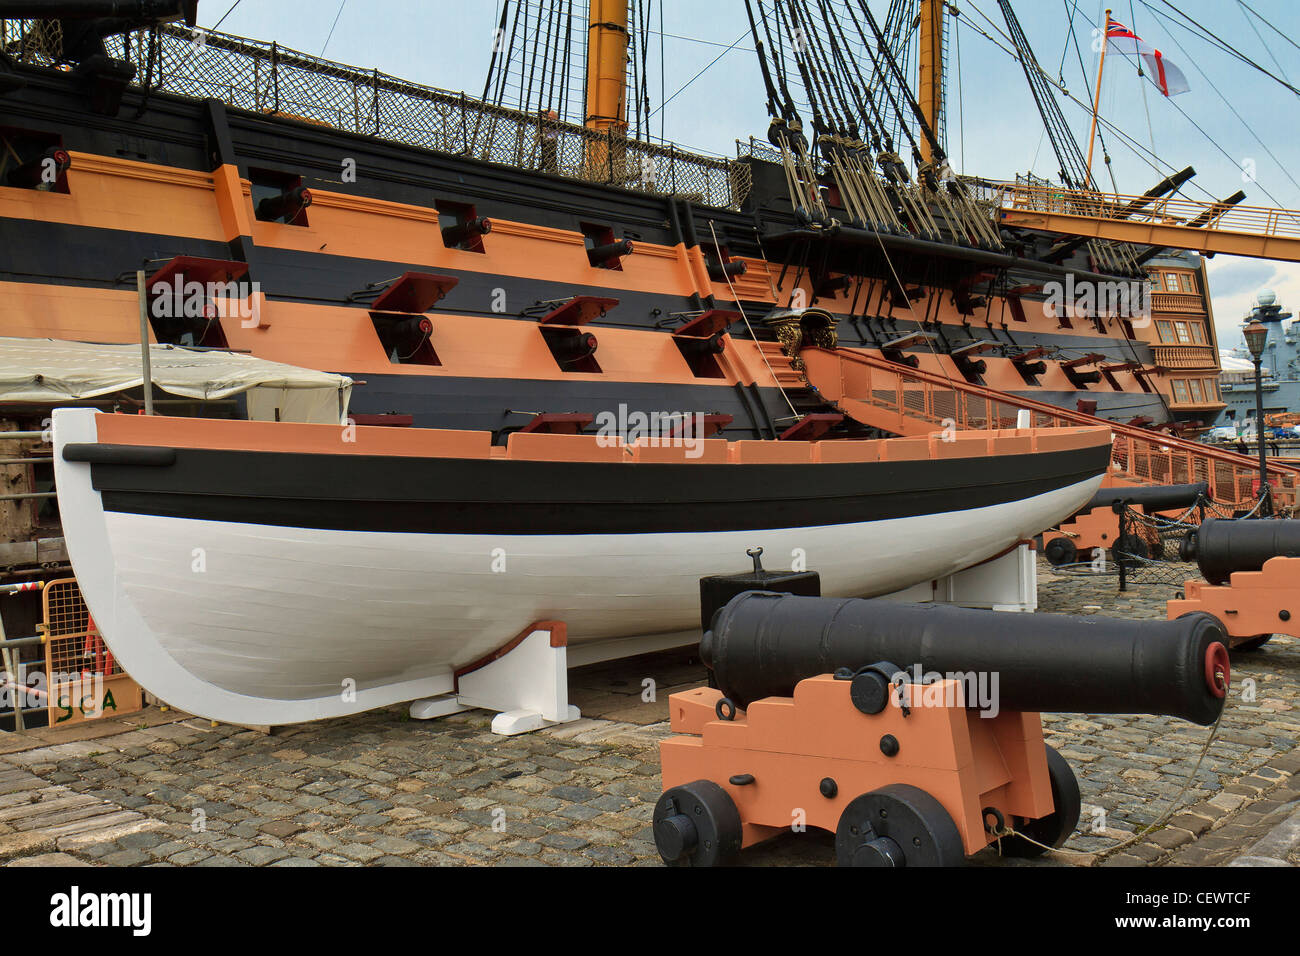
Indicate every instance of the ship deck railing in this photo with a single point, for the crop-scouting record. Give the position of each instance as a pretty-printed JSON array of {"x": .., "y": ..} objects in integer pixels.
[
  {"x": 273, "y": 80},
  {"x": 914, "y": 402}
]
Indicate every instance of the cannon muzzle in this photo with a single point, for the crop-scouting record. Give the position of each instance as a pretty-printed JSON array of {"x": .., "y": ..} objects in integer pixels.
[
  {"x": 762, "y": 644},
  {"x": 1220, "y": 547},
  {"x": 287, "y": 205},
  {"x": 610, "y": 253},
  {"x": 465, "y": 232}
]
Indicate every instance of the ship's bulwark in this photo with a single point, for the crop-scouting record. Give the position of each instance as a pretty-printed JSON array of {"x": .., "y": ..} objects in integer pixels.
[{"x": 252, "y": 586}]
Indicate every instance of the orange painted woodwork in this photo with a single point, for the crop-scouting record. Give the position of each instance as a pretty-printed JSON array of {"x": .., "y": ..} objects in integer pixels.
[
  {"x": 1252, "y": 604},
  {"x": 1098, "y": 528},
  {"x": 790, "y": 744},
  {"x": 116, "y": 429}
]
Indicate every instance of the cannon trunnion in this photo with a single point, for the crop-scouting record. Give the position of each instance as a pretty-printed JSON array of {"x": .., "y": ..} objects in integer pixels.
[{"x": 825, "y": 716}]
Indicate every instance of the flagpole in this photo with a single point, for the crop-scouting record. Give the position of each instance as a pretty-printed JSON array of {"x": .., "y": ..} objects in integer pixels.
[{"x": 1096, "y": 103}]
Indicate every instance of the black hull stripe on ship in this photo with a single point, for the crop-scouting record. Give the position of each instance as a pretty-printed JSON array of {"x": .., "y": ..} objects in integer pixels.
[
  {"x": 483, "y": 404},
  {"x": 37, "y": 252},
  {"x": 465, "y": 496},
  {"x": 185, "y": 132}
]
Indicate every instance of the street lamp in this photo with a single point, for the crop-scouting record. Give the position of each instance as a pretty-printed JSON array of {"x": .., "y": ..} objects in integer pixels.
[{"x": 1256, "y": 335}]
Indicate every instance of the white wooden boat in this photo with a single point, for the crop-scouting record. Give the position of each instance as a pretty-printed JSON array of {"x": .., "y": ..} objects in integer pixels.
[{"x": 258, "y": 572}]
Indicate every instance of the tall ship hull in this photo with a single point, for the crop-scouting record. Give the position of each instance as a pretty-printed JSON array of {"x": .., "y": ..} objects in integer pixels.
[{"x": 648, "y": 242}]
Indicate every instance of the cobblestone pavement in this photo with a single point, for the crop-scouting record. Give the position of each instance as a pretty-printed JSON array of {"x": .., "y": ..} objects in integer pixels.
[{"x": 381, "y": 789}]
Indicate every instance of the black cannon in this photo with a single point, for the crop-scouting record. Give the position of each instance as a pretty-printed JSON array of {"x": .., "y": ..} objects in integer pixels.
[
  {"x": 608, "y": 255},
  {"x": 1220, "y": 547},
  {"x": 761, "y": 645},
  {"x": 818, "y": 705},
  {"x": 42, "y": 171},
  {"x": 463, "y": 233},
  {"x": 1152, "y": 498},
  {"x": 287, "y": 205}
]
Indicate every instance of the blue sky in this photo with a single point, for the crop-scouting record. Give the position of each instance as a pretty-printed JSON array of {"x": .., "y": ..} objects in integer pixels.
[{"x": 447, "y": 43}]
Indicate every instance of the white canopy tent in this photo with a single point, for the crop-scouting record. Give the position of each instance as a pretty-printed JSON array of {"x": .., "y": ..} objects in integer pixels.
[{"x": 47, "y": 371}]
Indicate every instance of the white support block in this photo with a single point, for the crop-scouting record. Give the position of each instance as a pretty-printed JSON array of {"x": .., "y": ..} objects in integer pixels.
[
  {"x": 1008, "y": 583},
  {"x": 528, "y": 684},
  {"x": 431, "y": 708}
]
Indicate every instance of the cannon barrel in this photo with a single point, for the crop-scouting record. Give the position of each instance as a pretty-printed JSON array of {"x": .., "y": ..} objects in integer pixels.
[
  {"x": 467, "y": 231},
  {"x": 573, "y": 345},
  {"x": 721, "y": 272},
  {"x": 1081, "y": 379},
  {"x": 762, "y": 644},
  {"x": 1150, "y": 497},
  {"x": 1220, "y": 546},
  {"x": 602, "y": 255},
  {"x": 43, "y": 171},
  {"x": 286, "y": 205}
]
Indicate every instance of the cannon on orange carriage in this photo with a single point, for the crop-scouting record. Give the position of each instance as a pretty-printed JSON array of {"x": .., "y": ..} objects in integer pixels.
[
  {"x": 1252, "y": 578},
  {"x": 1096, "y": 526},
  {"x": 911, "y": 732}
]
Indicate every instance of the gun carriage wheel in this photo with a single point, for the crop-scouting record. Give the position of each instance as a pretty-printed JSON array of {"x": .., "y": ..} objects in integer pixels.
[
  {"x": 1055, "y": 828},
  {"x": 896, "y": 826},
  {"x": 697, "y": 824}
]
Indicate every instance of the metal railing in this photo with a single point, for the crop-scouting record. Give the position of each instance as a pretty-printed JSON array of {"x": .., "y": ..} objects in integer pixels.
[
  {"x": 274, "y": 80},
  {"x": 910, "y": 401},
  {"x": 1165, "y": 211}
]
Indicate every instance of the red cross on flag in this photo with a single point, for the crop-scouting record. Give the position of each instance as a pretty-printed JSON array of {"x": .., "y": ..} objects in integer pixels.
[{"x": 1167, "y": 77}]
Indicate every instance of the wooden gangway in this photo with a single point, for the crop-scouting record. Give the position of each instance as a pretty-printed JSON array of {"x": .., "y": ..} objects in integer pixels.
[
  {"x": 1170, "y": 222},
  {"x": 905, "y": 401}
]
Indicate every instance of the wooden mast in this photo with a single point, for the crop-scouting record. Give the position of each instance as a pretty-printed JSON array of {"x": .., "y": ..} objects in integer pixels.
[
  {"x": 607, "y": 46},
  {"x": 931, "y": 79},
  {"x": 1096, "y": 103}
]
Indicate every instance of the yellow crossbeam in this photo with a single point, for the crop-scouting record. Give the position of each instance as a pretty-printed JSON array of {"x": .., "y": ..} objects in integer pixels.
[{"x": 1254, "y": 231}]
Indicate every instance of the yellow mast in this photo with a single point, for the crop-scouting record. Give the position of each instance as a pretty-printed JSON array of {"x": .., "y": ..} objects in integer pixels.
[
  {"x": 607, "y": 45},
  {"x": 1096, "y": 103},
  {"x": 930, "y": 85}
]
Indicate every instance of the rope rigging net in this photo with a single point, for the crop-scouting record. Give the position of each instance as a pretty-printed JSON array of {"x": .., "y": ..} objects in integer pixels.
[{"x": 844, "y": 116}]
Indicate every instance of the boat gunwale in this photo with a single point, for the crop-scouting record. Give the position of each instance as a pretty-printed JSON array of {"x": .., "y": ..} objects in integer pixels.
[{"x": 380, "y": 441}]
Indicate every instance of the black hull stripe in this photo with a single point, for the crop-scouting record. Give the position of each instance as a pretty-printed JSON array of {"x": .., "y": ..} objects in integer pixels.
[
  {"x": 459, "y": 496},
  {"x": 37, "y": 254}
]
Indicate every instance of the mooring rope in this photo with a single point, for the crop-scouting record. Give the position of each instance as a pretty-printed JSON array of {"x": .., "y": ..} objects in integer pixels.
[{"x": 1161, "y": 820}]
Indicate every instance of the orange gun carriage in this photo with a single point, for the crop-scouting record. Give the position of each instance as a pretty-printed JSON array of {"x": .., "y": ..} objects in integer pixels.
[
  {"x": 903, "y": 774},
  {"x": 812, "y": 726},
  {"x": 1252, "y": 578}
]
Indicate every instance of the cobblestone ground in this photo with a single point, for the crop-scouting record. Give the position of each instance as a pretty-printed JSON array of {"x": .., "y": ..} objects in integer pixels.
[{"x": 381, "y": 789}]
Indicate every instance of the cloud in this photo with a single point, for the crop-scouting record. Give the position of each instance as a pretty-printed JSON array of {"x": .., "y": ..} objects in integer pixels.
[
  {"x": 1234, "y": 284},
  {"x": 1233, "y": 276}
]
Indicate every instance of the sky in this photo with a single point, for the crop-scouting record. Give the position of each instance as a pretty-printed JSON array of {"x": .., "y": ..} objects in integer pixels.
[{"x": 1247, "y": 137}]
